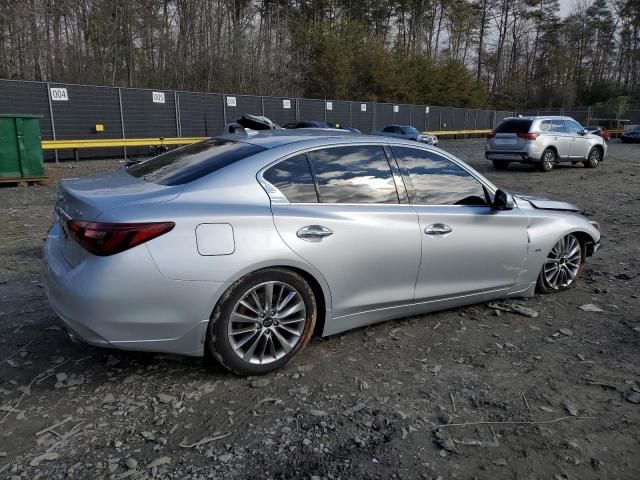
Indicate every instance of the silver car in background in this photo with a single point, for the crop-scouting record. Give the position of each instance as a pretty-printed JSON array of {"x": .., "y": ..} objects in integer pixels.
[
  {"x": 244, "y": 246},
  {"x": 407, "y": 132},
  {"x": 544, "y": 141}
]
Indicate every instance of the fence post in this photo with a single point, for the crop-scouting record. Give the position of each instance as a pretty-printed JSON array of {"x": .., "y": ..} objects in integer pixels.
[
  {"x": 177, "y": 107},
  {"x": 53, "y": 126},
  {"x": 324, "y": 107},
  {"x": 373, "y": 116},
  {"x": 588, "y": 115},
  {"x": 262, "y": 104},
  {"x": 411, "y": 115},
  {"x": 224, "y": 109},
  {"x": 124, "y": 149},
  {"x": 350, "y": 116},
  {"x": 297, "y": 109}
]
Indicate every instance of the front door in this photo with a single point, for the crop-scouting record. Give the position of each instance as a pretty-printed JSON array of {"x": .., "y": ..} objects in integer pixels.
[
  {"x": 579, "y": 143},
  {"x": 467, "y": 247},
  {"x": 349, "y": 224}
]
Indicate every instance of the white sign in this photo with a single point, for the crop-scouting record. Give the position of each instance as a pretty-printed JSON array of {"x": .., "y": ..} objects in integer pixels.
[
  {"x": 231, "y": 101},
  {"x": 363, "y": 107},
  {"x": 396, "y": 108},
  {"x": 426, "y": 110},
  {"x": 158, "y": 97},
  {"x": 329, "y": 105},
  {"x": 59, "y": 94},
  {"x": 286, "y": 103}
]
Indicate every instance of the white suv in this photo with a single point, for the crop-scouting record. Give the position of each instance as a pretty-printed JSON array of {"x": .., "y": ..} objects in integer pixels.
[{"x": 545, "y": 141}]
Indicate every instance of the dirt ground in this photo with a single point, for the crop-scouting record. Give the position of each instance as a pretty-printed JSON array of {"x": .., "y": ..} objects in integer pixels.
[{"x": 463, "y": 394}]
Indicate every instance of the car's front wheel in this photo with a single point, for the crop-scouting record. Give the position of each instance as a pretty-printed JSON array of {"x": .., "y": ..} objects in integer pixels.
[
  {"x": 563, "y": 265},
  {"x": 548, "y": 160},
  {"x": 262, "y": 321},
  {"x": 594, "y": 158}
]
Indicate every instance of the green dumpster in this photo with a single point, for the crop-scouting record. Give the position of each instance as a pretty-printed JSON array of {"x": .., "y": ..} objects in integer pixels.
[{"x": 20, "y": 147}]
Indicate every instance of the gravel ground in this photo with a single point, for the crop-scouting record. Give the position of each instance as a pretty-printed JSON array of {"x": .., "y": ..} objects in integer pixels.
[{"x": 470, "y": 393}]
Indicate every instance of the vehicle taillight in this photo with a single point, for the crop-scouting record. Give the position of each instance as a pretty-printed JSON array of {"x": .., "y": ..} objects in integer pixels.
[
  {"x": 105, "y": 239},
  {"x": 529, "y": 136},
  {"x": 491, "y": 135}
]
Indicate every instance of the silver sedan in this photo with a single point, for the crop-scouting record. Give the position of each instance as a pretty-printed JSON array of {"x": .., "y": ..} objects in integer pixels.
[{"x": 245, "y": 246}]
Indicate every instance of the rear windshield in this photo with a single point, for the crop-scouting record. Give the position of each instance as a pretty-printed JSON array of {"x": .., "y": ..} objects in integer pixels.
[
  {"x": 194, "y": 161},
  {"x": 516, "y": 125}
]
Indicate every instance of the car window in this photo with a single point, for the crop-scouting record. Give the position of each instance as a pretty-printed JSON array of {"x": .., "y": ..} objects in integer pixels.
[
  {"x": 573, "y": 127},
  {"x": 194, "y": 161},
  {"x": 397, "y": 130},
  {"x": 410, "y": 130},
  {"x": 437, "y": 180},
  {"x": 514, "y": 125},
  {"x": 388, "y": 129},
  {"x": 557, "y": 126},
  {"x": 293, "y": 178},
  {"x": 353, "y": 174}
]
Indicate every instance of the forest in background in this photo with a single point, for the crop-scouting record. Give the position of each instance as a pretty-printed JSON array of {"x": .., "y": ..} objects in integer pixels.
[{"x": 475, "y": 53}]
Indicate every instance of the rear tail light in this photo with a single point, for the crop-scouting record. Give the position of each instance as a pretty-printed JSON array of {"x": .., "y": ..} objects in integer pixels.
[
  {"x": 528, "y": 136},
  {"x": 491, "y": 135},
  {"x": 105, "y": 239}
]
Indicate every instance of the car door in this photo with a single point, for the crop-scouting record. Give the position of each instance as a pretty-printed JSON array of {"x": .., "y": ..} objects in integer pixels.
[
  {"x": 349, "y": 224},
  {"x": 579, "y": 143},
  {"x": 561, "y": 139},
  {"x": 467, "y": 247}
]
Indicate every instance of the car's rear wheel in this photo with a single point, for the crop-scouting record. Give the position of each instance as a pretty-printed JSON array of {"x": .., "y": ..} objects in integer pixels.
[
  {"x": 262, "y": 321},
  {"x": 548, "y": 160},
  {"x": 594, "y": 158},
  {"x": 563, "y": 265},
  {"x": 500, "y": 164}
]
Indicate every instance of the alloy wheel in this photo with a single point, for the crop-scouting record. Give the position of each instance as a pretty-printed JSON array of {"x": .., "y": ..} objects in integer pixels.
[
  {"x": 548, "y": 159},
  {"x": 267, "y": 322},
  {"x": 562, "y": 265},
  {"x": 594, "y": 158}
]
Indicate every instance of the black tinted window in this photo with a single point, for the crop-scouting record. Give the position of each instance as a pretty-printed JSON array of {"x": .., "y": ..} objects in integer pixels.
[
  {"x": 388, "y": 129},
  {"x": 514, "y": 125},
  {"x": 293, "y": 178},
  {"x": 189, "y": 163},
  {"x": 438, "y": 181},
  {"x": 354, "y": 174}
]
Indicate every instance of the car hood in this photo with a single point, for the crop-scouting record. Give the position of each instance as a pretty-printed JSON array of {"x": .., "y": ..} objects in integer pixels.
[{"x": 546, "y": 204}]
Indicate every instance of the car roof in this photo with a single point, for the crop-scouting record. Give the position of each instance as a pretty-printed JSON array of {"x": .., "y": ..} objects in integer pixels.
[{"x": 540, "y": 117}]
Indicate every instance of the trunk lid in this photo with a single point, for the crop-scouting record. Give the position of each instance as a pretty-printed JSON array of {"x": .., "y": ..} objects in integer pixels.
[
  {"x": 505, "y": 136},
  {"x": 86, "y": 198}
]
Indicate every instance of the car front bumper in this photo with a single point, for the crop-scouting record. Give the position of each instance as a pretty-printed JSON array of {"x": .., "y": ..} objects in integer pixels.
[{"x": 123, "y": 301}]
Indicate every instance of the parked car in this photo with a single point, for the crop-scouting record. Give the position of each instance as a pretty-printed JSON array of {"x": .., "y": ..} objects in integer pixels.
[
  {"x": 631, "y": 136},
  {"x": 599, "y": 131},
  {"x": 407, "y": 132},
  {"x": 308, "y": 125},
  {"x": 244, "y": 247},
  {"x": 543, "y": 141},
  {"x": 350, "y": 129}
]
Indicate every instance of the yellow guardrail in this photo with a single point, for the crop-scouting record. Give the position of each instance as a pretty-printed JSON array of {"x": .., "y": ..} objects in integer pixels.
[
  {"x": 117, "y": 142},
  {"x": 146, "y": 142},
  {"x": 441, "y": 133}
]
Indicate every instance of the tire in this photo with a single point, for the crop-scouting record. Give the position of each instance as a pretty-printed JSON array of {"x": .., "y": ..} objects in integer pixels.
[
  {"x": 566, "y": 261},
  {"x": 594, "y": 158},
  {"x": 500, "y": 164},
  {"x": 548, "y": 160},
  {"x": 247, "y": 344}
]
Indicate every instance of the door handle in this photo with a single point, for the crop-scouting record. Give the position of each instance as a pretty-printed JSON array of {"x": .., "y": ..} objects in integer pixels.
[
  {"x": 313, "y": 233},
  {"x": 438, "y": 229}
]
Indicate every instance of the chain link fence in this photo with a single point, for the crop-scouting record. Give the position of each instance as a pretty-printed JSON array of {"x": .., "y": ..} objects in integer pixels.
[{"x": 87, "y": 112}]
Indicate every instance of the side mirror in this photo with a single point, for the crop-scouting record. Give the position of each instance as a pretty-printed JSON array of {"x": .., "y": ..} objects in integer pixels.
[
  {"x": 502, "y": 201},
  {"x": 582, "y": 132}
]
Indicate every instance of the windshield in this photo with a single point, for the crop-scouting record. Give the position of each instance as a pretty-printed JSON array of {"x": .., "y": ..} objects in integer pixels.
[
  {"x": 410, "y": 130},
  {"x": 194, "y": 161}
]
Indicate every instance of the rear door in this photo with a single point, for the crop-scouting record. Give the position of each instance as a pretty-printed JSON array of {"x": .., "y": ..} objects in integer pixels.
[
  {"x": 349, "y": 224},
  {"x": 579, "y": 143},
  {"x": 559, "y": 137},
  {"x": 467, "y": 247}
]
